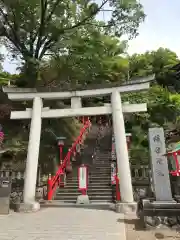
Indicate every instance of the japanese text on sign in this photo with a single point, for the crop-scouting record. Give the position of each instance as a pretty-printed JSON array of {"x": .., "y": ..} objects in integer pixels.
[
  {"x": 158, "y": 154},
  {"x": 156, "y": 138}
]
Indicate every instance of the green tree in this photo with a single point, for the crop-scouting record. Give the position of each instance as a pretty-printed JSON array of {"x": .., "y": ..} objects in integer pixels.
[
  {"x": 140, "y": 65},
  {"x": 4, "y": 78},
  {"x": 93, "y": 58},
  {"x": 158, "y": 62},
  {"x": 163, "y": 60},
  {"x": 34, "y": 29},
  {"x": 163, "y": 106},
  {"x": 163, "y": 111}
]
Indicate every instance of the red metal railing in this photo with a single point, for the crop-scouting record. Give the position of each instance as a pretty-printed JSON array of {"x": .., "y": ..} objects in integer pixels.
[
  {"x": 118, "y": 195},
  {"x": 54, "y": 181}
]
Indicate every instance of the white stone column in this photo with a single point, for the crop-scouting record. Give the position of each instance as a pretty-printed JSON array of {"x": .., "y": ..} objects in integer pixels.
[
  {"x": 123, "y": 165},
  {"x": 76, "y": 102},
  {"x": 33, "y": 152}
]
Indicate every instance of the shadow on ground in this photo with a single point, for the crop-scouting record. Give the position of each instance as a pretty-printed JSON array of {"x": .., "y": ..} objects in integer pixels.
[{"x": 137, "y": 223}]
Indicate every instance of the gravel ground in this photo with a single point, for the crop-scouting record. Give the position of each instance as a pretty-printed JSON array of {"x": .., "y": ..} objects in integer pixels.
[{"x": 135, "y": 231}]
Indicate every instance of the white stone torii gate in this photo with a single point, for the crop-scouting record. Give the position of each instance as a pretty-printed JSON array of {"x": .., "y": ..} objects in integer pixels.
[{"x": 116, "y": 108}]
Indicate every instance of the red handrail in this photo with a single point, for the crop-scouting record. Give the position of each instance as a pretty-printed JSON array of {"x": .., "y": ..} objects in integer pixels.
[{"x": 54, "y": 181}]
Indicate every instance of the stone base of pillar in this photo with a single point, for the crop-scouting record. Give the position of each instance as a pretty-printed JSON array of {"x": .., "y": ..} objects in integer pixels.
[
  {"x": 28, "y": 207},
  {"x": 126, "y": 207},
  {"x": 82, "y": 199}
]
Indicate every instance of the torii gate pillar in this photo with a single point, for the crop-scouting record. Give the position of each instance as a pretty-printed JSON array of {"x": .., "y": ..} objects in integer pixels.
[
  {"x": 121, "y": 149},
  {"x": 76, "y": 102},
  {"x": 33, "y": 155}
]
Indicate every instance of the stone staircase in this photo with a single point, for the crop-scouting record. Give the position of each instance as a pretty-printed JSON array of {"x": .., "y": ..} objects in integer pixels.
[
  {"x": 99, "y": 189},
  {"x": 97, "y": 156}
]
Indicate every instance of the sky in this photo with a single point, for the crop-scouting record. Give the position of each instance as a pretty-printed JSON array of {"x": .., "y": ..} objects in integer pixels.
[{"x": 160, "y": 29}]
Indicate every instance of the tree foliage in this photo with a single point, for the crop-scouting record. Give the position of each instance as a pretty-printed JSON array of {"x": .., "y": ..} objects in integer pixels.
[
  {"x": 163, "y": 106},
  {"x": 93, "y": 58},
  {"x": 36, "y": 28},
  {"x": 158, "y": 62}
]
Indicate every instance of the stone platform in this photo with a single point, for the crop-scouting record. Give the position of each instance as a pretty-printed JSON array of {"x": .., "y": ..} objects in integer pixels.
[{"x": 63, "y": 223}]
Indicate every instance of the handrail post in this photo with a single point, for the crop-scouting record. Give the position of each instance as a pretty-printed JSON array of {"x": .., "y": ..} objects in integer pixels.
[
  {"x": 118, "y": 196},
  {"x": 49, "y": 187}
]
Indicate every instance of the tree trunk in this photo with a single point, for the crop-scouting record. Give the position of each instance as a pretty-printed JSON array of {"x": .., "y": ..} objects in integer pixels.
[{"x": 29, "y": 74}]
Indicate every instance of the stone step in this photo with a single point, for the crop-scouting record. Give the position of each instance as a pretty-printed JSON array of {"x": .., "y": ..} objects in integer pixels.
[
  {"x": 68, "y": 194},
  {"x": 105, "y": 154},
  {"x": 67, "y": 197},
  {"x": 102, "y": 161},
  {"x": 74, "y": 197},
  {"x": 91, "y": 185},
  {"x": 106, "y": 182},
  {"x": 101, "y": 204},
  {"x": 96, "y": 174},
  {"x": 101, "y": 165},
  {"x": 100, "y": 168},
  {"x": 99, "y": 177},
  {"x": 62, "y": 203},
  {"x": 100, "y": 193},
  {"x": 92, "y": 181},
  {"x": 100, "y": 197},
  {"x": 90, "y": 190},
  {"x": 90, "y": 194},
  {"x": 99, "y": 181},
  {"x": 92, "y": 170}
]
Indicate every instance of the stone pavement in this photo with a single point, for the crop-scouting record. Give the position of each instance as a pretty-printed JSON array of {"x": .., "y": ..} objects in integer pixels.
[{"x": 63, "y": 224}]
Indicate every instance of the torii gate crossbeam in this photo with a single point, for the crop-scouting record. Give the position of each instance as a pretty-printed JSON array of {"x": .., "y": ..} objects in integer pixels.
[{"x": 88, "y": 111}]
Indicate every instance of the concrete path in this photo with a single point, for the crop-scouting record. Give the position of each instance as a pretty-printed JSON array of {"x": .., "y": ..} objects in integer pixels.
[{"x": 63, "y": 224}]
